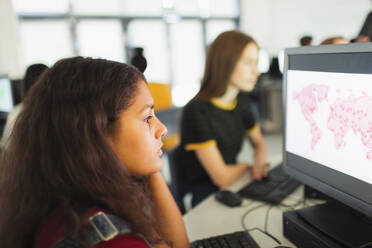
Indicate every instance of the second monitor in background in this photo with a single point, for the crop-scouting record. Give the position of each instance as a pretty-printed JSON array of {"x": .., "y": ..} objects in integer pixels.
[
  {"x": 6, "y": 96},
  {"x": 6, "y": 101}
]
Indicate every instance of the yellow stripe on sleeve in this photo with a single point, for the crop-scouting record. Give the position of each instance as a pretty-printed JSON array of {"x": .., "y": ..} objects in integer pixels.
[
  {"x": 252, "y": 129},
  {"x": 197, "y": 146}
]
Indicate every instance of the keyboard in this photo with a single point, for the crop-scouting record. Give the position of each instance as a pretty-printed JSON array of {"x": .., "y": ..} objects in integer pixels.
[
  {"x": 272, "y": 189},
  {"x": 240, "y": 239}
]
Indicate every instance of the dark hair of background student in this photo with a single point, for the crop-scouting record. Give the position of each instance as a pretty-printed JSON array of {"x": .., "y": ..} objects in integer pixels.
[
  {"x": 222, "y": 56},
  {"x": 33, "y": 72},
  {"x": 59, "y": 157},
  {"x": 306, "y": 40}
]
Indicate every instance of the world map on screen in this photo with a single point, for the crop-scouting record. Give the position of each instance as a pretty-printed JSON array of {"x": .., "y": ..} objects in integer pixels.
[{"x": 351, "y": 114}]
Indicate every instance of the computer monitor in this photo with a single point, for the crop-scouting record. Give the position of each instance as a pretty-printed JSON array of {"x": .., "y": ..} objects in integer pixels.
[
  {"x": 327, "y": 106},
  {"x": 6, "y": 95}
]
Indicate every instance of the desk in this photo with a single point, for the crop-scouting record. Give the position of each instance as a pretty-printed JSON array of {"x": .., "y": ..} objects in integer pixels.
[{"x": 211, "y": 218}]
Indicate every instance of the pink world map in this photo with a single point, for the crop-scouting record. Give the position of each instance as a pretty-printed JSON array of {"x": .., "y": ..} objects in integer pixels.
[{"x": 353, "y": 113}]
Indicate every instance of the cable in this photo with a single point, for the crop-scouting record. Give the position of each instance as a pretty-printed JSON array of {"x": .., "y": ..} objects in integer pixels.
[
  {"x": 268, "y": 234},
  {"x": 247, "y": 212},
  {"x": 256, "y": 228},
  {"x": 366, "y": 245},
  {"x": 267, "y": 217}
]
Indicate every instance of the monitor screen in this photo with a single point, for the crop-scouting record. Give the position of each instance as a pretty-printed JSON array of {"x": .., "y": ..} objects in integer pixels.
[
  {"x": 327, "y": 101},
  {"x": 6, "y": 96}
]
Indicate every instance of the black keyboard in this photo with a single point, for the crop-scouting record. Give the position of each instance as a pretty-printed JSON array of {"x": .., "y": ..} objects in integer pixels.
[
  {"x": 232, "y": 240},
  {"x": 272, "y": 189}
]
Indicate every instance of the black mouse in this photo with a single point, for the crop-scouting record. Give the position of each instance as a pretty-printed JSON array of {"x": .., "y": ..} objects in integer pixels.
[
  {"x": 228, "y": 198},
  {"x": 266, "y": 178}
]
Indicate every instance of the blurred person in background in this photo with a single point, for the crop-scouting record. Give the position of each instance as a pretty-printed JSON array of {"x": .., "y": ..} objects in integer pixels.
[
  {"x": 306, "y": 40},
  {"x": 334, "y": 40},
  {"x": 32, "y": 74},
  {"x": 365, "y": 34},
  {"x": 215, "y": 122},
  {"x": 138, "y": 60}
]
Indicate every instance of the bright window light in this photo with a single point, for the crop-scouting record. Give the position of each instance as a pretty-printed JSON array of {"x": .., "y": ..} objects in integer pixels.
[
  {"x": 41, "y": 6},
  {"x": 150, "y": 35},
  {"x": 263, "y": 61},
  {"x": 188, "y": 66},
  {"x": 183, "y": 93},
  {"x": 281, "y": 61},
  {"x": 101, "y": 38},
  {"x": 216, "y": 27},
  {"x": 44, "y": 42}
]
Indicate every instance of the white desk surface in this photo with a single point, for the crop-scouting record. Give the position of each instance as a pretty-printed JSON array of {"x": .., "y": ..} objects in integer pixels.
[{"x": 211, "y": 218}]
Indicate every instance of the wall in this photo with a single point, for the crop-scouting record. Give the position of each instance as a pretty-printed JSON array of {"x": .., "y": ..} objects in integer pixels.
[
  {"x": 277, "y": 24},
  {"x": 9, "y": 54}
]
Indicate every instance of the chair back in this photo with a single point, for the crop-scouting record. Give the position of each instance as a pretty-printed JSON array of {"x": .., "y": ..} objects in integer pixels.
[
  {"x": 161, "y": 94},
  {"x": 177, "y": 185},
  {"x": 166, "y": 113}
]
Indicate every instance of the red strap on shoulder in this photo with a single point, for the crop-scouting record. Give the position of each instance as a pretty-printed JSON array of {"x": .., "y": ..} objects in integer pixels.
[
  {"x": 54, "y": 229},
  {"x": 124, "y": 241}
]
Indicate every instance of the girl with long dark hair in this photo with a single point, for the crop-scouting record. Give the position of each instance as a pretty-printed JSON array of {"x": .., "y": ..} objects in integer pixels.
[{"x": 82, "y": 165}]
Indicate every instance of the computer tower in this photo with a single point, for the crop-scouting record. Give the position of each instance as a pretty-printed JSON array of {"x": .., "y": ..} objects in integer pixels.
[{"x": 303, "y": 235}]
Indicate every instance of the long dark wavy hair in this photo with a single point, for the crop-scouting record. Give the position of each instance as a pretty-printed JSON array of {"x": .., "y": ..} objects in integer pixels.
[
  {"x": 222, "y": 56},
  {"x": 59, "y": 158}
]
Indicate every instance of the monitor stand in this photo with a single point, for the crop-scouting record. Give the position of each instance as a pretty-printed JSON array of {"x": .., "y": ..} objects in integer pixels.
[{"x": 341, "y": 223}]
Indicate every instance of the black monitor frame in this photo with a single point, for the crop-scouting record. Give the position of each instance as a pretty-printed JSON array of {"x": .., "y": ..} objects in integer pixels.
[{"x": 350, "y": 191}]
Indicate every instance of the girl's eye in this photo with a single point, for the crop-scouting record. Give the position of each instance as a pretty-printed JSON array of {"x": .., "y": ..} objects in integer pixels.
[{"x": 147, "y": 119}]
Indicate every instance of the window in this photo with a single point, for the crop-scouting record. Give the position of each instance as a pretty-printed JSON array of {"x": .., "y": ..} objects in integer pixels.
[
  {"x": 51, "y": 30},
  {"x": 187, "y": 60},
  {"x": 151, "y": 36},
  {"x": 101, "y": 38},
  {"x": 215, "y": 27},
  {"x": 226, "y": 8},
  {"x": 97, "y": 7},
  {"x": 41, "y": 6},
  {"x": 44, "y": 42}
]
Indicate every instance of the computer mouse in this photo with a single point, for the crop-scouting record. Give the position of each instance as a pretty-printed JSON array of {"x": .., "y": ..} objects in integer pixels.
[
  {"x": 266, "y": 178},
  {"x": 228, "y": 198}
]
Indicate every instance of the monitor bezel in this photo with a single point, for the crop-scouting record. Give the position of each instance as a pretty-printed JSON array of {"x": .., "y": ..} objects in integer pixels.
[
  {"x": 4, "y": 114},
  {"x": 339, "y": 186}
]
